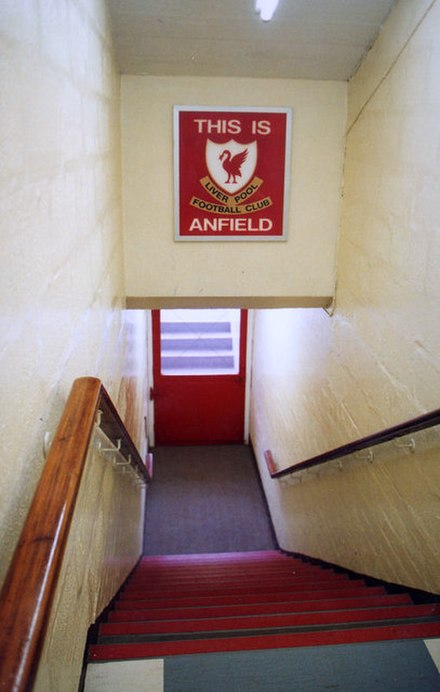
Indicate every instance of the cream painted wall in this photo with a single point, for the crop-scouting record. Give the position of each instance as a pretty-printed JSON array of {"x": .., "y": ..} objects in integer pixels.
[
  {"x": 301, "y": 267},
  {"x": 321, "y": 381},
  {"x": 61, "y": 283},
  {"x": 132, "y": 402},
  {"x": 103, "y": 547}
]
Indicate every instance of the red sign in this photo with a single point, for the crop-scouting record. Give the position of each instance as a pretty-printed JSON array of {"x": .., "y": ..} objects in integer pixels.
[{"x": 231, "y": 173}]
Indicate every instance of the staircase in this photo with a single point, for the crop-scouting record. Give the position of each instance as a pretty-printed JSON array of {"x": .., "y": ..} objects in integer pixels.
[
  {"x": 192, "y": 604},
  {"x": 197, "y": 348}
]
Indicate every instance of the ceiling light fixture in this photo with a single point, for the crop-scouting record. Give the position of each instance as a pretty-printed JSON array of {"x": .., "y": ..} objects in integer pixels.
[{"x": 266, "y": 9}]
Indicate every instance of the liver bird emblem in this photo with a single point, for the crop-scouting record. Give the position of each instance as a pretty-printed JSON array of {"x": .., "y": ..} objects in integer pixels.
[
  {"x": 233, "y": 164},
  {"x": 237, "y": 159}
]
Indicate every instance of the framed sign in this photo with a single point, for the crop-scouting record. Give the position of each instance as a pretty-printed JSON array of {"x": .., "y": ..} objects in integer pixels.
[{"x": 231, "y": 173}]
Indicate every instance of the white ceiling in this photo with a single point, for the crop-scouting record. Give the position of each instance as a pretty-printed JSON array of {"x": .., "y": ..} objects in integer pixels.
[{"x": 306, "y": 39}]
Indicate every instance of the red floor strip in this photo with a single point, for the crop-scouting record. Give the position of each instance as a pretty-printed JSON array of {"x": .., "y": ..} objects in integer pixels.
[
  {"x": 220, "y": 599},
  {"x": 261, "y": 621},
  {"x": 197, "y": 580},
  {"x": 110, "y": 652},
  {"x": 223, "y": 589},
  {"x": 257, "y": 595},
  {"x": 153, "y": 614}
]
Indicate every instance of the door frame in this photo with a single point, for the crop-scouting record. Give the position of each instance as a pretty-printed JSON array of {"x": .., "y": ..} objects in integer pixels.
[{"x": 150, "y": 377}]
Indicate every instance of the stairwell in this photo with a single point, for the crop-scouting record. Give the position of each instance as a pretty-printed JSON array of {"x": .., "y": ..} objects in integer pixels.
[
  {"x": 196, "y": 342},
  {"x": 230, "y": 602},
  {"x": 197, "y": 347}
]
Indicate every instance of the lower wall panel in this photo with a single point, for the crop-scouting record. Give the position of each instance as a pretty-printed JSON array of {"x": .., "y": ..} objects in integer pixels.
[
  {"x": 103, "y": 546},
  {"x": 378, "y": 518}
]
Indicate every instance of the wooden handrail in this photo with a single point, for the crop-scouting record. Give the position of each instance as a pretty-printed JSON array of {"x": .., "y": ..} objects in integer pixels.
[
  {"x": 427, "y": 420},
  {"x": 29, "y": 587}
]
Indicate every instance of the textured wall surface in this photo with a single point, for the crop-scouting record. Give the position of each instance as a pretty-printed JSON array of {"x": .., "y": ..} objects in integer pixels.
[
  {"x": 322, "y": 381},
  {"x": 301, "y": 266},
  {"x": 132, "y": 401},
  {"x": 103, "y": 546},
  {"x": 61, "y": 284}
]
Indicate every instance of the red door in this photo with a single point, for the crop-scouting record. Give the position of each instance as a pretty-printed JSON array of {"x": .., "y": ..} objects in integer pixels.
[{"x": 199, "y": 370}]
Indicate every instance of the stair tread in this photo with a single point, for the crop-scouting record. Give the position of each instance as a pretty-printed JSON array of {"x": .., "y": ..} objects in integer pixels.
[
  {"x": 273, "y": 620},
  {"x": 246, "y": 597},
  {"x": 140, "y": 585},
  {"x": 183, "y": 604},
  {"x": 228, "y": 557},
  {"x": 257, "y": 631},
  {"x": 225, "y": 590},
  {"x": 268, "y": 607},
  {"x": 266, "y": 641},
  {"x": 233, "y": 573}
]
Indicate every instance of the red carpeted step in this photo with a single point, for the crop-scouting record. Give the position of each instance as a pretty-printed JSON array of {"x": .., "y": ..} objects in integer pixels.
[
  {"x": 270, "y": 621},
  {"x": 182, "y": 563},
  {"x": 202, "y": 572},
  {"x": 220, "y": 563},
  {"x": 173, "y": 589},
  {"x": 219, "y": 559},
  {"x": 142, "y": 585},
  {"x": 108, "y": 652},
  {"x": 260, "y": 556},
  {"x": 237, "y": 589},
  {"x": 182, "y": 604},
  {"x": 285, "y": 566},
  {"x": 322, "y": 588},
  {"x": 219, "y": 598},
  {"x": 151, "y": 614}
]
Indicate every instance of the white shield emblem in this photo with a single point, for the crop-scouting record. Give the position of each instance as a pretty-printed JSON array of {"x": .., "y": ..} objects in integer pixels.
[{"x": 231, "y": 165}]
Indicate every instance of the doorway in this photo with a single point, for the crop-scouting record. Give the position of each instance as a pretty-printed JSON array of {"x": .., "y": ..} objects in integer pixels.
[{"x": 199, "y": 375}]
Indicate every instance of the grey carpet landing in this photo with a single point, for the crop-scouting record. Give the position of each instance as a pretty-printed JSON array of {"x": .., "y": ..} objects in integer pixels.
[
  {"x": 396, "y": 666},
  {"x": 206, "y": 500}
]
